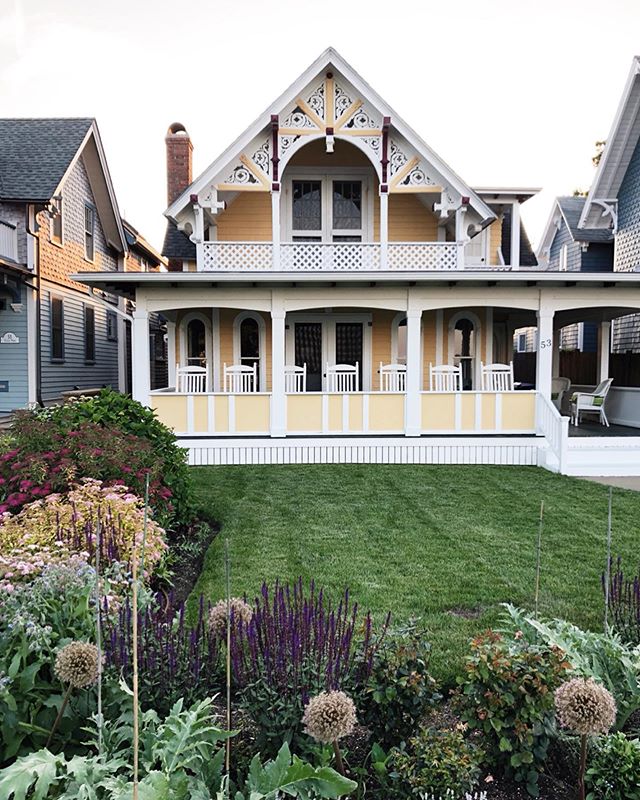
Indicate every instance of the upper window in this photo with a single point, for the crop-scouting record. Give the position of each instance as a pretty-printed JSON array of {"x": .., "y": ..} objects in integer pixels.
[
  {"x": 521, "y": 343},
  {"x": 327, "y": 209},
  {"x": 57, "y": 329},
  {"x": 112, "y": 326},
  {"x": 89, "y": 231},
  {"x": 562, "y": 263},
  {"x": 56, "y": 221},
  {"x": 89, "y": 333}
]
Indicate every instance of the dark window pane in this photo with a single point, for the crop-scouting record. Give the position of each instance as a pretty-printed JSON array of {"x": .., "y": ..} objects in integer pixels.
[
  {"x": 249, "y": 339},
  {"x": 56, "y": 229},
  {"x": 89, "y": 333},
  {"x": 308, "y": 344},
  {"x": 57, "y": 328},
  {"x": 349, "y": 345},
  {"x": 347, "y": 205},
  {"x": 196, "y": 346},
  {"x": 307, "y": 206},
  {"x": 89, "y": 225}
]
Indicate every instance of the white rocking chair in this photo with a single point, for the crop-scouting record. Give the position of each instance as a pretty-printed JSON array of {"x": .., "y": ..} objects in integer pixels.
[
  {"x": 240, "y": 379},
  {"x": 191, "y": 380},
  {"x": 445, "y": 378},
  {"x": 497, "y": 377},
  {"x": 342, "y": 377},
  {"x": 295, "y": 379},
  {"x": 393, "y": 377},
  {"x": 591, "y": 403}
]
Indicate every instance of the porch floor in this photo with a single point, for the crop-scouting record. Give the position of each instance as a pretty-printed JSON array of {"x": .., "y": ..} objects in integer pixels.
[{"x": 595, "y": 429}]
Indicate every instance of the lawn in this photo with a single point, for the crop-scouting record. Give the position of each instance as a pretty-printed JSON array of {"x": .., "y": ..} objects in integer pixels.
[{"x": 447, "y": 544}]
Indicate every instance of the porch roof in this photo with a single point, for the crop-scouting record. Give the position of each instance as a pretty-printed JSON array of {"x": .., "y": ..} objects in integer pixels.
[{"x": 126, "y": 283}]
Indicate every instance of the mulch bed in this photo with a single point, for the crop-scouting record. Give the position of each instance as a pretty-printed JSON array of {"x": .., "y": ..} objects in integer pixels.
[{"x": 189, "y": 546}]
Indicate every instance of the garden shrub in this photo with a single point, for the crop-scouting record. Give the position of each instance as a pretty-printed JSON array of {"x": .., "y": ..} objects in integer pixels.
[
  {"x": 603, "y": 657},
  {"x": 624, "y": 603},
  {"x": 507, "y": 693},
  {"x": 399, "y": 689},
  {"x": 436, "y": 762},
  {"x": 296, "y": 645},
  {"x": 69, "y": 523},
  {"x": 110, "y": 409},
  {"x": 36, "y": 620},
  {"x": 614, "y": 772}
]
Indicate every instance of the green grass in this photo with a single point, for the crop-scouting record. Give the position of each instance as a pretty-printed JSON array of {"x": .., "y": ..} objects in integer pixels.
[{"x": 418, "y": 540}]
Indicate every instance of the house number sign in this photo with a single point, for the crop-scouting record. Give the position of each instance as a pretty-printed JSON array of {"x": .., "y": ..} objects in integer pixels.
[{"x": 9, "y": 338}]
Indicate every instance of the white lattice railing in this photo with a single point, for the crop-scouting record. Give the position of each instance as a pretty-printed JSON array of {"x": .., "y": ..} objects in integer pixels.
[
  {"x": 329, "y": 257},
  {"x": 236, "y": 256},
  {"x": 553, "y": 426},
  {"x": 8, "y": 241}
]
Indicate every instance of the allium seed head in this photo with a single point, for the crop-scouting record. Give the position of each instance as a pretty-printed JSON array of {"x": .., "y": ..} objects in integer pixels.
[
  {"x": 241, "y": 612},
  {"x": 585, "y": 707},
  {"x": 77, "y": 664},
  {"x": 329, "y": 716}
]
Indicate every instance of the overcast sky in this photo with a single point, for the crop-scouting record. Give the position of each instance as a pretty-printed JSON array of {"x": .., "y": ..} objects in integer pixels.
[{"x": 508, "y": 93}]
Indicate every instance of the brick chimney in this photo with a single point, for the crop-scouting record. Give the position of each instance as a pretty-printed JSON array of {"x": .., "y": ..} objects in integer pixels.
[{"x": 179, "y": 150}]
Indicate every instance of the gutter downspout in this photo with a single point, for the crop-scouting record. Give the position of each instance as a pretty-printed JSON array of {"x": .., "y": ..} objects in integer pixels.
[{"x": 36, "y": 266}]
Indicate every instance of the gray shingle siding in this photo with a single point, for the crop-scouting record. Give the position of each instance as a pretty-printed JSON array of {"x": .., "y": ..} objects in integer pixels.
[
  {"x": 626, "y": 334},
  {"x": 74, "y": 371},
  {"x": 627, "y": 253},
  {"x": 569, "y": 337},
  {"x": 13, "y": 357}
]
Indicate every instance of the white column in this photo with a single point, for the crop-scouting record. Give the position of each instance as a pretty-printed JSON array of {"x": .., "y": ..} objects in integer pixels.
[
  {"x": 141, "y": 366},
  {"x": 515, "y": 236},
  {"x": 461, "y": 234},
  {"x": 384, "y": 229},
  {"x": 275, "y": 228},
  {"x": 278, "y": 397},
  {"x": 604, "y": 347},
  {"x": 556, "y": 353},
  {"x": 413, "y": 420},
  {"x": 544, "y": 361},
  {"x": 171, "y": 353}
]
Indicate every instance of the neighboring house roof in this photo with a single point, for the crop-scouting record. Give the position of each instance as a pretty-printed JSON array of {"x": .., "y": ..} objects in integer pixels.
[
  {"x": 178, "y": 245},
  {"x": 136, "y": 241},
  {"x": 568, "y": 210},
  {"x": 331, "y": 61},
  {"x": 36, "y": 155},
  {"x": 527, "y": 256},
  {"x": 616, "y": 156}
]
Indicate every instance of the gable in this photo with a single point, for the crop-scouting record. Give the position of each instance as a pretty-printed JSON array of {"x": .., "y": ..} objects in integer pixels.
[{"x": 328, "y": 104}]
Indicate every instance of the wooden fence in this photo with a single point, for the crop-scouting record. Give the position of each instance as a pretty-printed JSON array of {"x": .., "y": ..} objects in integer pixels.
[{"x": 582, "y": 368}]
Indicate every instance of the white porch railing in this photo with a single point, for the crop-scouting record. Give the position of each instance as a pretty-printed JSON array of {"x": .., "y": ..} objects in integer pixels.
[
  {"x": 329, "y": 257},
  {"x": 554, "y": 427},
  {"x": 8, "y": 241}
]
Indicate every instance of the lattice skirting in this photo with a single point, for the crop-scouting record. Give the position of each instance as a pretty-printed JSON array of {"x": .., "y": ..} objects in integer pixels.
[{"x": 520, "y": 451}]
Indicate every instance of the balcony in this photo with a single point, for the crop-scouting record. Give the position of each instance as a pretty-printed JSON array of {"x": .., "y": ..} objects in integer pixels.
[
  {"x": 8, "y": 241},
  {"x": 329, "y": 257}
]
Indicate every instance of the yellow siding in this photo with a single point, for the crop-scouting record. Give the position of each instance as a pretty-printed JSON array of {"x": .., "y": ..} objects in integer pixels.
[
  {"x": 468, "y": 411},
  {"x": 428, "y": 345},
  {"x": 355, "y": 413},
  {"x": 335, "y": 412},
  {"x": 410, "y": 220},
  {"x": 227, "y": 317},
  {"x": 222, "y": 414},
  {"x": 386, "y": 412},
  {"x": 247, "y": 219},
  {"x": 200, "y": 414},
  {"x": 315, "y": 154},
  {"x": 171, "y": 410},
  {"x": 438, "y": 412},
  {"x": 252, "y": 413},
  {"x": 495, "y": 240},
  {"x": 488, "y": 412},
  {"x": 380, "y": 343},
  {"x": 518, "y": 411},
  {"x": 304, "y": 413}
]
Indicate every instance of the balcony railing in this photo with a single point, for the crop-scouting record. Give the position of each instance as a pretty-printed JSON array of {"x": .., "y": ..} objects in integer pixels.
[
  {"x": 8, "y": 241},
  {"x": 329, "y": 257}
]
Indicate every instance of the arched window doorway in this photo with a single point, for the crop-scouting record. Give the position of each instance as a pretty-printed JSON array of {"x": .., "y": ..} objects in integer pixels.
[
  {"x": 196, "y": 343},
  {"x": 399, "y": 340},
  {"x": 249, "y": 334},
  {"x": 464, "y": 350}
]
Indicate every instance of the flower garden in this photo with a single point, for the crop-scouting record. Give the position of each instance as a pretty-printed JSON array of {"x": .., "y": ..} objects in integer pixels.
[{"x": 120, "y": 678}]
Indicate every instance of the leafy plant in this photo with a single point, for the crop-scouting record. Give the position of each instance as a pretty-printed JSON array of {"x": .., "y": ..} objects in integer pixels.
[
  {"x": 438, "y": 762},
  {"x": 624, "y": 602},
  {"x": 614, "y": 773},
  {"x": 603, "y": 657},
  {"x": 507, "y": 693},
  {"x": 399, "y": 688}
]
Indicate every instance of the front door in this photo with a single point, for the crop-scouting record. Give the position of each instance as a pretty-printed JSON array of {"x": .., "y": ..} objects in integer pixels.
[{"x": 308, "y": 350}]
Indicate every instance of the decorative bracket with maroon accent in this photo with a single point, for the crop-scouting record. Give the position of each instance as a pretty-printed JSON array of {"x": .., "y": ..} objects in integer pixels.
[
  {"x": 386, "y": 124},
  {"x": 275, "y": 159}
]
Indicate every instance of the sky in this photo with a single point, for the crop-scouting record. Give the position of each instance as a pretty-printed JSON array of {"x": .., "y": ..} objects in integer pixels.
[{"x": 508, "y": 93}]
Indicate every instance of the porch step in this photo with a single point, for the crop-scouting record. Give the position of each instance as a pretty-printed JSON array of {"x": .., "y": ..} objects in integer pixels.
[
  {"x": 603, "y": 455},
  {"x": 520, "y": 450}
]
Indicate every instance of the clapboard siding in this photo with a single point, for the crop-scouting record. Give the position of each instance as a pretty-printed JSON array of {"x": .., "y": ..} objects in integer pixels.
[
  {"x": 15, "y": 214},
  {"x": 13, "y": 357},
  {"x": 74, "y": 371},
  {"x": 562, "y": 237},
  {"x": 598, "y": 257}
]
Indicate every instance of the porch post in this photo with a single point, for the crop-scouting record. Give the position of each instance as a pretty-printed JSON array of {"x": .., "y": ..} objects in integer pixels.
[
  {"x": 413, "y": 421},
  {"x": 544, "y": 360},
  {"x": 171, "y": 353},
  {"x": 278, "y": 397},
  {"x": 514, "y": 261},
  {"x": 141, "y": 366},
  {"x": 275, "y": 227},
  {"x": 384, "y": 229},
  {"x": 604, "y": 347}
]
